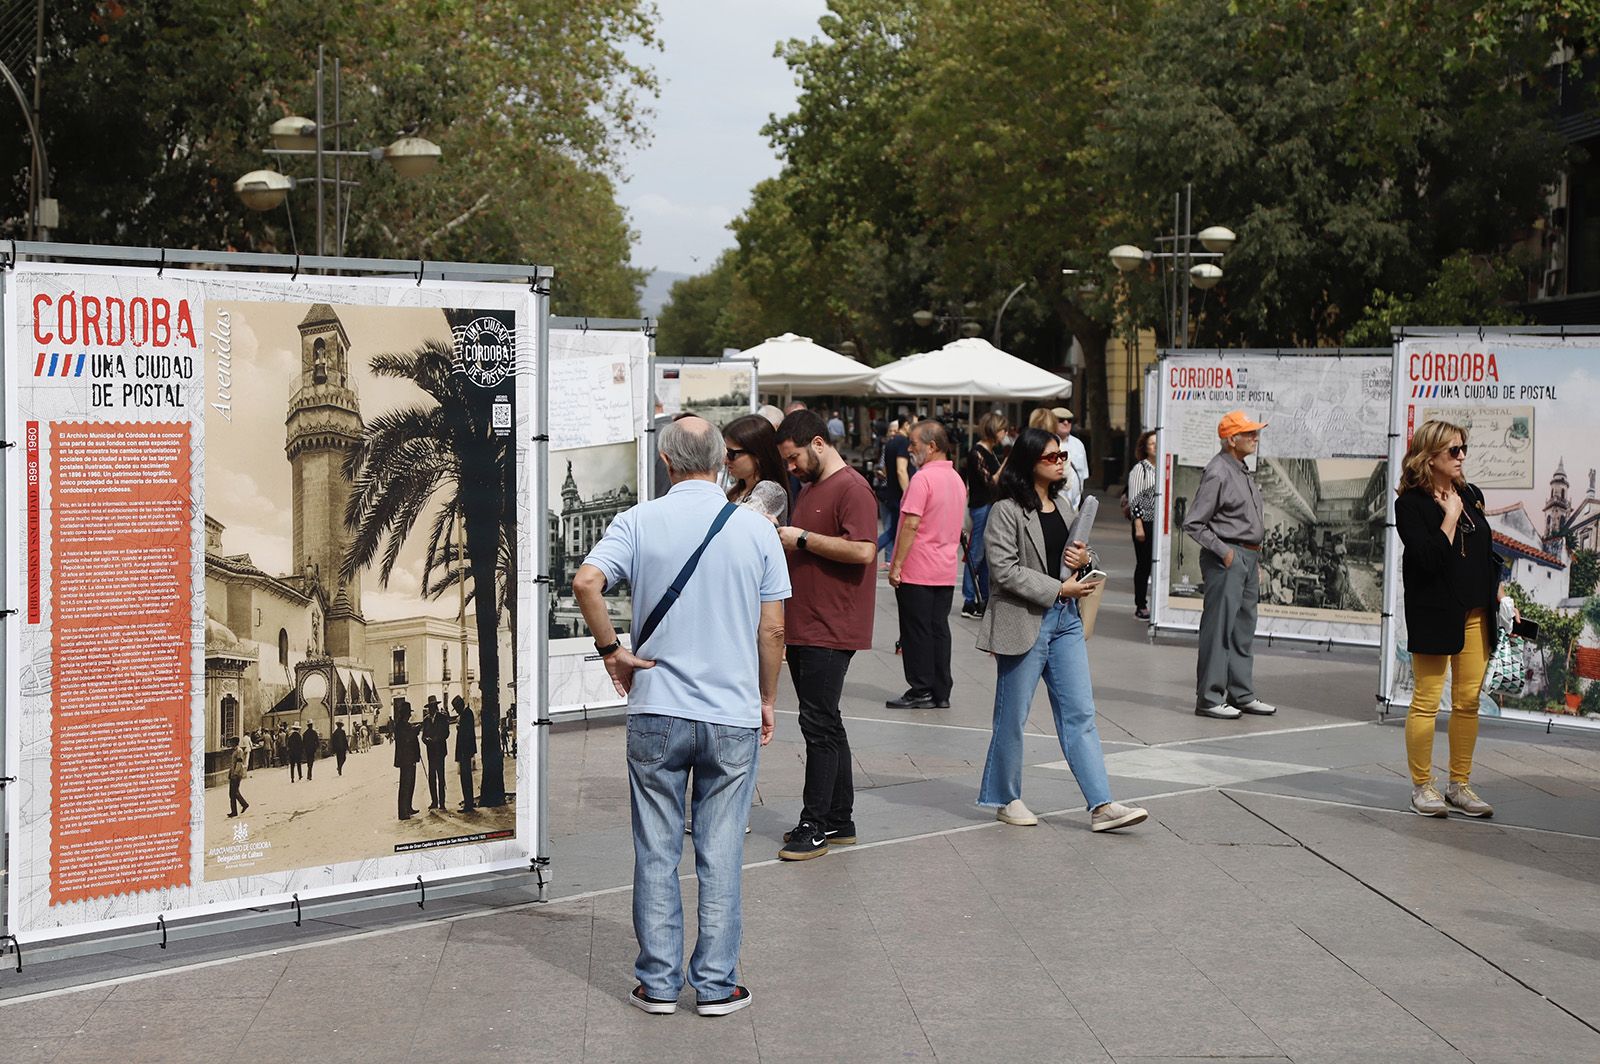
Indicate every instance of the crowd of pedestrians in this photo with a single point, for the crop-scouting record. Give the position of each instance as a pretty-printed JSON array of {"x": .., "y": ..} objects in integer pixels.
[{"x": 791, "y": 535}]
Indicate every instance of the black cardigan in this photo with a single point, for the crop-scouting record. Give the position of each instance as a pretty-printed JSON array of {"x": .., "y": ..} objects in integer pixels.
[{"x": 1443, "y": 578}]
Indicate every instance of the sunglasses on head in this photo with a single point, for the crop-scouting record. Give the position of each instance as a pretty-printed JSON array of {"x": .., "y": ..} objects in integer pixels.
[{"x": 1457, "y": 452}]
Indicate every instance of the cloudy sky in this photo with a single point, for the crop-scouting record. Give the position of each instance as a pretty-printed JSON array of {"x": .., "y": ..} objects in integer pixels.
[{"x": 719, "y": 84}]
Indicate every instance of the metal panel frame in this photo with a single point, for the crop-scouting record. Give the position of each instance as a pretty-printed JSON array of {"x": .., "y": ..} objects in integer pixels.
[{"x": 334, "y": 900}]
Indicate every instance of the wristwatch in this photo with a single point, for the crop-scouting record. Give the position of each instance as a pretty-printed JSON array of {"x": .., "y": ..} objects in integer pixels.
[
  {"x": 607, "y": 651},
  {"x": 801, "y": 542}
]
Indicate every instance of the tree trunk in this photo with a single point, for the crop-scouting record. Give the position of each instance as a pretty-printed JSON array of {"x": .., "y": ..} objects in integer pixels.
[
  {"x": 483, "y": 546},
  {"x": 1094, "y": 402}
]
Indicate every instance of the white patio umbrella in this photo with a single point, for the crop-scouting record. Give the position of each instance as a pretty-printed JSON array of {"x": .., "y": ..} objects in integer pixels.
[
  {"x": 795, "y": 365},
  {"x": 971, "y": 368}
]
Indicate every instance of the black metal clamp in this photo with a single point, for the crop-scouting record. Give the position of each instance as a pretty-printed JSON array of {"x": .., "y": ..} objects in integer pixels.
[
  {"x": 295, "y": 900},
  {"x": 161, "y": 925},
  {"x": 162, "y": 268},
  {"x": 422, "y": 900}
]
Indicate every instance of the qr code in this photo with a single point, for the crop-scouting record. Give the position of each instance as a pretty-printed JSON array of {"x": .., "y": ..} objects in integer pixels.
[{"x": 501, "y": 416}]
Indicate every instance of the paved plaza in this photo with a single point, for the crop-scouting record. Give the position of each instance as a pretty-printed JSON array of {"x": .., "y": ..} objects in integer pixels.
[{"x": 1280, "y": 905}]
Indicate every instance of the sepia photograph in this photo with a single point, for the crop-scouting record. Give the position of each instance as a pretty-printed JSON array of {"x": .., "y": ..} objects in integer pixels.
[
  {"x": 719, "y": 394},
  {"x": 1323, "y": 548},
  {"x": 589, "y": 486},
  {"x": 347, "y": 646}
]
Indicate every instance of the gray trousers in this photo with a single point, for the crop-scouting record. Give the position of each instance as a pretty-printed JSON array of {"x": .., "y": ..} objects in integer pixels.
[{"x": 1227, "y": 628}]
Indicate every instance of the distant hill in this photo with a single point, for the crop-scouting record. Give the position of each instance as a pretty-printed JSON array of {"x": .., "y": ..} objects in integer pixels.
[{"x": 653, "y": 294}]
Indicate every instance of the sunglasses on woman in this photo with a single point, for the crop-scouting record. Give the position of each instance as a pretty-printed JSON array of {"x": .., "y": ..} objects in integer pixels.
[
  {"x": 734, "y": 453},
  {"x": 1053, "y": 456},
  {"x": 1459, "y": 451}
]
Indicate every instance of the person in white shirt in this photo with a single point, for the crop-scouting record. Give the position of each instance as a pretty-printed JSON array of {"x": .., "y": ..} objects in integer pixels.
[{"x": 1077, "y": 457}]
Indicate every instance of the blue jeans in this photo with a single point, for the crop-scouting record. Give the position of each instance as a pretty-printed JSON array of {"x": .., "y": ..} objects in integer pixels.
[
  {"x": 662, "y": 754},
  {"x": 1059, "y": 656},
  {"x": 975, "y": 574},
  {"x": 891, "y": 527}
]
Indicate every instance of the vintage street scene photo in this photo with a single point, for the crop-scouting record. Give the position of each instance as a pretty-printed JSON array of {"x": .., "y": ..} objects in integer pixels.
[
  {"x": 1323, "y": 550},
  {"x": 589, "y": 486},
  {"x": 717, "y": 393},
  {"x": 358, "y": 586}
]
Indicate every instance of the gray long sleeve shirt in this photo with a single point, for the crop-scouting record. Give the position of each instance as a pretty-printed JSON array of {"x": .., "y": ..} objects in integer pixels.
[{"x": 1227, "y": 506}]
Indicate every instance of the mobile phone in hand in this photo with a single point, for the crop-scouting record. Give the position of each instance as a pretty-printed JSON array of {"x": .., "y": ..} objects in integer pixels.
[{"x": 1093, "y": 576}]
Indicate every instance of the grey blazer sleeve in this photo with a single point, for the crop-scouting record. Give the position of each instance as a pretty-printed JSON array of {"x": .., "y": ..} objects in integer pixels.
[{"x": 1003, "y": 547}]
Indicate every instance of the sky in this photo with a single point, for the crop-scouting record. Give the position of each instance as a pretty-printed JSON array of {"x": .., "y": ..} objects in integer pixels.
[{"x": 720, "y": 82}]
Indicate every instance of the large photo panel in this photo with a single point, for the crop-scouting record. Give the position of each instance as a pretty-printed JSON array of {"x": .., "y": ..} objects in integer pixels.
[
  {"x": 1322, "y": 467},
  {"x": 258, "y": 515},
  {"x": 1527, "y": 405}
]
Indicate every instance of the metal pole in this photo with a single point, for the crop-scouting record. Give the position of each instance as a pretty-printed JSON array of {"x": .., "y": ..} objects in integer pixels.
[
  {"x": 1001, "y": 315},
  {"x": 338, "y": 166},
  {"x": 541, "y": 555},
  {"x": 1188, "y": 224},
  {"x": 1173, "y": 338},
  {"x": 321, "y": 248}
]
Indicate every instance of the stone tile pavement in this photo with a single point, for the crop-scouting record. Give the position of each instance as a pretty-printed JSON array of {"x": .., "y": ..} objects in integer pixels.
[{"x": 1280, "y": 905}]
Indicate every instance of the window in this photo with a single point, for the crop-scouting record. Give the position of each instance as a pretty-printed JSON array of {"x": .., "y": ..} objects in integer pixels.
[
  {"x": 230, "y": 717},
  {"x": 319, "y": 362},
  {"x": 397, "y": 669},
  {"x": 283, "y": 648}
]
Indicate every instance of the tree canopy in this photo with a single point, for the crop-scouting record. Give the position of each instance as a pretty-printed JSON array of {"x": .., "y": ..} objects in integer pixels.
[{"x": 152, "y": 108}]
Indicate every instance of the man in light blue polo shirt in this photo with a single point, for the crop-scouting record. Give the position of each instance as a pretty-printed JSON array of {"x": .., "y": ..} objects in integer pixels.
[{"x": 700, "y": 696}]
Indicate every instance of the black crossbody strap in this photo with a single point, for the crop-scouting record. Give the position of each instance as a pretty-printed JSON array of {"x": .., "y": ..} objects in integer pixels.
[{"x": 671, "y": 596}]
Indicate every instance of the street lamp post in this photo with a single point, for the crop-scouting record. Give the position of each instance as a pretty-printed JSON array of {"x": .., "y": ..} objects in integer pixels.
[
  {"x": 263, "y": 190},
  {"x": 1186, "y": 271}
]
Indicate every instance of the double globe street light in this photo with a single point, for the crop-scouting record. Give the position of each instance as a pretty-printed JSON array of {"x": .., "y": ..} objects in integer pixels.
[
  {"x": 265, "y": 190},
  {"x": 1216, "y": 240}
]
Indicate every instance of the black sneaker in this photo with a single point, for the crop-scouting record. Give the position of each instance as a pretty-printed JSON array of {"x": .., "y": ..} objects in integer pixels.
[
  {"x": 806, "y": 841},
  {"x": 740, "y": 998},
  {"x": 654, "y": 1006},
  {"x": 969, "y": 610},
  {"x": 843, "y": 835}
]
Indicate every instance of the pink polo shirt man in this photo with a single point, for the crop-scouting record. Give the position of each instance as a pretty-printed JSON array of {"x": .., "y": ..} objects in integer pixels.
[
  {"x": 936, "y": 495},
  {"x": 925, "y": 570}
]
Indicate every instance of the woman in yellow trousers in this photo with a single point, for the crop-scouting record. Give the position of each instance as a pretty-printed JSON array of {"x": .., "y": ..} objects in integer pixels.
[{"x": 1452, "y": 589}]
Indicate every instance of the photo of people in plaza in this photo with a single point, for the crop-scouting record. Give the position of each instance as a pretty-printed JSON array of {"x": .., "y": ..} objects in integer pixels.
[
  {"x": 589, "y": 486},
  {"x": 717, "y": 393},
  {"x": 351, "y": 646},
  {"x": 1322, "y": 555}
]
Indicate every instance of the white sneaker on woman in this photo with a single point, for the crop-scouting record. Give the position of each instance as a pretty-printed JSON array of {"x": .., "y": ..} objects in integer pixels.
[
  {"x": 1014, "y": 812},
  {"x": 1114, "y": 815}
]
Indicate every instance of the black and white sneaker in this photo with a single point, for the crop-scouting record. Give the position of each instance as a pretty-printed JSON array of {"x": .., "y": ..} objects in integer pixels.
[
  {"x": 842, "y": 835},
  {"x": 740, "y": 998},
  {"x": 804, "y": 842},
  {"x": 969, "y": 610},
  {"x": 654, "y": 1006}
]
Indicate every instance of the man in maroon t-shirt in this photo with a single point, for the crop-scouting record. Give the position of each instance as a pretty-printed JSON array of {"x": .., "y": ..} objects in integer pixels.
[{"x": 832, "y": 550}]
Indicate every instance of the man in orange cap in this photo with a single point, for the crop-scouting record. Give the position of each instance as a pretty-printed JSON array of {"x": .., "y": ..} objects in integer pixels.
[{"x": 1227, "y": 518}]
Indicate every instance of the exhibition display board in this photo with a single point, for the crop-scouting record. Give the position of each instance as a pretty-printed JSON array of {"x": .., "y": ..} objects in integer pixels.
[
  {"x": 262, "y": 530},
  {"x": 717, "y": 391},
  {"x": 600, "y": 464},
  {"x": 1322, "y": 468},
  {"x": 1527, "y": 403}
]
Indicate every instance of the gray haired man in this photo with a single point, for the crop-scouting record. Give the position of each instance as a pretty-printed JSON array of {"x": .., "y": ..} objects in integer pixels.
[{"x": 701, "y": 687}]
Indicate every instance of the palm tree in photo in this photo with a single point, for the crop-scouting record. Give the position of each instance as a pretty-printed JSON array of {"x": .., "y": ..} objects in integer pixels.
[{"x": 448, "y": 449}]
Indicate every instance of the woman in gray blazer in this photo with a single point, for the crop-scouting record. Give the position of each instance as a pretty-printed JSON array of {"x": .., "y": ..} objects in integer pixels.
[{"x": 1033, "y": 629}]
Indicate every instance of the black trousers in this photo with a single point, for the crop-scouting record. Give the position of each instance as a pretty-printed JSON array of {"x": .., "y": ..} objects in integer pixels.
[
  {"x": 830, "y": 793},
  {"x": 235, "y": 799},
  {"x": 436, "y": 779},
  {"x": 925, "y": 638},
  {"x": 468, "y": 798},
  {"x": 1141, "y": 568},
  {"x": 408, "y": 788},
  {"x": 340, "y": 758}
]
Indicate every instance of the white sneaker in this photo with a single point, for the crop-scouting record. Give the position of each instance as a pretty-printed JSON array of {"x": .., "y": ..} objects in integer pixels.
[
  {"x": 1221, "y": 712},
  {"x": 1014, "y": 812},
  {"x": 1114, "y": 815},
  {"x": 1463, "y": 799},
  {"x": 1427, "y": 801},
  {"x": 1256, "y": 707}
]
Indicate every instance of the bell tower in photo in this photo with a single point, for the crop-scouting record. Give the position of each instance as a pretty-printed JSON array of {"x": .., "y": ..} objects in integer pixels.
[{"x": 324, "y": 427}]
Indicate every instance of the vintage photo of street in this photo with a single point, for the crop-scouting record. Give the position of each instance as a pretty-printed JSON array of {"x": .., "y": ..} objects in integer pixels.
[
  {"x": 345, "y": 547},
  {"x": 1322, "y": 554},
  {"x": 589, "y": 486},
  {"x": 717, "y": 393}
]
